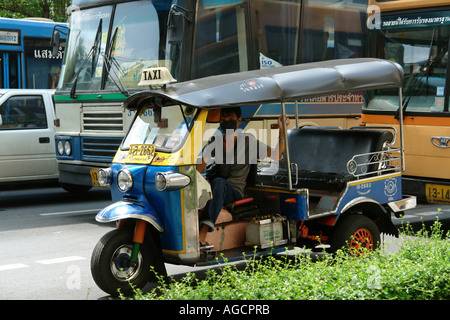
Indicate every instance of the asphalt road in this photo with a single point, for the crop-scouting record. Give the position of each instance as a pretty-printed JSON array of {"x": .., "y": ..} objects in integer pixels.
[{"x": 47, "y": 236}]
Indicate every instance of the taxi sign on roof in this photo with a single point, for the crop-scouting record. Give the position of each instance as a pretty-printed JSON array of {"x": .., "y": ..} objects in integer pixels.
[{"x": 156, "y": 77}]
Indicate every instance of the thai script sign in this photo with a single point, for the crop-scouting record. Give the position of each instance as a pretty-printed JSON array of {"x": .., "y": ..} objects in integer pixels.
[{"x": 9, "y": 37}]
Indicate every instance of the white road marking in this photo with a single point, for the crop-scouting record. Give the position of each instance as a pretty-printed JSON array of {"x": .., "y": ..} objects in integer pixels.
[
  {"x": 13, "y": 266},
  {"x": 60, "y": 260},
  {"x": 70, "y": 212}
]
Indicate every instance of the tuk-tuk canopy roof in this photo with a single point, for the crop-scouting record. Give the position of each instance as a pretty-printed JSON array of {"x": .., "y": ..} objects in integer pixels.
[{"x": 280, "y": 84}]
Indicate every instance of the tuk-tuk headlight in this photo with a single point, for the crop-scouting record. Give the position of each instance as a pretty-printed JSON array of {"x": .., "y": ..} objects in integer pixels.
[
  {"x": 124, "y": 180},
  {"x": 171, "y": 181},
  {"x": 104, "y": 176}
]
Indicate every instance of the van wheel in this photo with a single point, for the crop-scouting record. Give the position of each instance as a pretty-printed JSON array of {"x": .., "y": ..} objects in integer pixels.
[
  {"x": 355, "y": 233},
  {"x": 110, "y": 263}
]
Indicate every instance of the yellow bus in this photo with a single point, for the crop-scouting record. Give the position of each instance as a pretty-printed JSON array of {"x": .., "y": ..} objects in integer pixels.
[{"x": 415, "y": 34}]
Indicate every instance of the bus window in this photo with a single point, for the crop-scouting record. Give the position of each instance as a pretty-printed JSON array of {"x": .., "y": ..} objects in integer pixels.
[
  {"x": 225, "y": 50},
  {"x": 332, "y": 32},
  {"x": 276, "y": 31},
  {"x": 13, "y": 68},
  {"x": 43, "y": 69},
  {"x": 423, "y": 54},
  {"x": 140, "y": 41}
]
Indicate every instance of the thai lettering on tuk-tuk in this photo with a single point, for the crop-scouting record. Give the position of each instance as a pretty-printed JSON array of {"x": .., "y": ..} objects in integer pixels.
[{"x": 304, "y": 186}]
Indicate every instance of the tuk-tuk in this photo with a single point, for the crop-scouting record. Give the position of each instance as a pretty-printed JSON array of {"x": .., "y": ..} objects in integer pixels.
[{"x": 333, "y": 187}]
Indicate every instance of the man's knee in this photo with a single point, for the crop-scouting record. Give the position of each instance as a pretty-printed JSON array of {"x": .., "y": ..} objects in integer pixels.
[{"x": 218, "y": 184}]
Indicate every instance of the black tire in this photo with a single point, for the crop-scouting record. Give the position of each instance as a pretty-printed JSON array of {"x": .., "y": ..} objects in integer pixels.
[
  {"x": 354, "y": 231},
  {"x": 109, "y": 263}
]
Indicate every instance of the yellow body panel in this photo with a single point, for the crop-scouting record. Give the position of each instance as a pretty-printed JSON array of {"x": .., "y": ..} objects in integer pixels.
[{"x": 422, "y": 157}]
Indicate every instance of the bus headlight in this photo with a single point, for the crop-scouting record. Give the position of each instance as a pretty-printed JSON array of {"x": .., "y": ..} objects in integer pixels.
[
  {"x": 125, "y": 180},
  {"x": 60, "y": 147},
  {"x": 104, "y": 176},
  {"x": 64, "y": 147},
  {"x": 68, "y": 148},
  {"x": 171, "y": 181}
]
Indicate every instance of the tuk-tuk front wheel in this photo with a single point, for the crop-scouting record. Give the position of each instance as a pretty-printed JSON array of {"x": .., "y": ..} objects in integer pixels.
[
  {"x": 355, "y": 233},
  {"x": 111, "y": 267}
]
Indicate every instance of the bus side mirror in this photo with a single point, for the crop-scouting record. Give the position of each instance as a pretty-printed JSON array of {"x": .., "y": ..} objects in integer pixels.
[
  {"x": 176, "y": 29},
  {"x": 213, "y": 116},
  {"x": 55, "y": 43},
  {"x": 176, "y": 24}
]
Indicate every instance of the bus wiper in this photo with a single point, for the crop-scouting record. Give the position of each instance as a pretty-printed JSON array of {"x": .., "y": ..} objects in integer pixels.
[
  {"x": 94, "y": 53},
  {"x": 109, "y": 62}
]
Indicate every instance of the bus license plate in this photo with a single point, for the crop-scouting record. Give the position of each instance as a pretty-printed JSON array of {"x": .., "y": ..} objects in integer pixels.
[{"x": 437, "y": 193}]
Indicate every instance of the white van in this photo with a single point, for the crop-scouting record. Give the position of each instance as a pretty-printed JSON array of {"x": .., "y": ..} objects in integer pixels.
[{"x": 27, "y": 135}]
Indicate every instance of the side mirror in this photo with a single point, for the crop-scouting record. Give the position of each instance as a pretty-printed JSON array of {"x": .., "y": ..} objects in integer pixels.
[
  {"x": 55, "y": 42},
  {"x": 176, "y": 24},
  {"x": 1, "y": 121},
  {"x": 176, "y": 29}
]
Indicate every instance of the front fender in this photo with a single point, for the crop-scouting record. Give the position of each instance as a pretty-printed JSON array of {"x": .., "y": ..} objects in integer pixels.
[{"x": 124, "y": 210}]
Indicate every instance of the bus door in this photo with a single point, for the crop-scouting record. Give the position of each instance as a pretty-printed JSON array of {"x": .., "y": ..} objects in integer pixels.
[
  {"x": 10, "y": 70},
  {"x": 421, "y": 48}
]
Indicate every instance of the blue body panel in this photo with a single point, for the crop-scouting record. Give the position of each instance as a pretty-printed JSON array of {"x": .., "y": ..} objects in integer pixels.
[
  {"x": 124, "y": 209},
  {"x": 165, "y": 208},
  {"x": 381, "y": 189},
  {"x": 294, "y": 206}
]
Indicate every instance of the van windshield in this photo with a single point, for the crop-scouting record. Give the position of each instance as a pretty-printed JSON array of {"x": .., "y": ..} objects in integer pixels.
[{"x": 166, "y": 127}]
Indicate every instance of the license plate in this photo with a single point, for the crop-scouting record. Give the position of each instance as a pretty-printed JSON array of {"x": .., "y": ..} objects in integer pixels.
[
  {"x": 437, "y": 193},
  {"x": 94, "y": 178},
  {"x": 141, "y": 153}
]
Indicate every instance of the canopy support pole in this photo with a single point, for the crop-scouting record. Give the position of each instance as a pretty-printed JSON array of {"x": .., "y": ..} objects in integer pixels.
[
  {"x": 400, "y": 115},
  {"x": 283, "y": 117}
]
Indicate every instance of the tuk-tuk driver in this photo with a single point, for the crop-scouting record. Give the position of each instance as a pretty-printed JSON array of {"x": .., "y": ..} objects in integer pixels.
[{"x": 232, "y": 168}]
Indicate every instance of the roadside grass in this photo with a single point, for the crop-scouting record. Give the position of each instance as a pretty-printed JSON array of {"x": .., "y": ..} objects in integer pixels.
[{"x": 419, "y": 270}]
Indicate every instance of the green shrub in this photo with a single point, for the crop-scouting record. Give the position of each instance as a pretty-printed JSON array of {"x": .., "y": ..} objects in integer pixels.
[{"x": 420, "y": 269}]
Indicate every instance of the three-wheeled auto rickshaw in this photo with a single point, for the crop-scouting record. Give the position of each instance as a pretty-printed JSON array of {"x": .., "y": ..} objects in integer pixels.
[{"x": 332, "y": 188}]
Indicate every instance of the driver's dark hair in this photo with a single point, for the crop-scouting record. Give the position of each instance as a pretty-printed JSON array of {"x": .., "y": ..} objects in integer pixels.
[{"x": 236, "y": 110}]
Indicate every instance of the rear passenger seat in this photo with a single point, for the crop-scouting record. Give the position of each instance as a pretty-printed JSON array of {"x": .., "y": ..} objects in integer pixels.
[{"x": 322, "y": 154}]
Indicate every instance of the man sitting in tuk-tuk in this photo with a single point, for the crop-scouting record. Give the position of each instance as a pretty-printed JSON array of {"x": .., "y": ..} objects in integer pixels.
[{"x": 232, "y": 164}]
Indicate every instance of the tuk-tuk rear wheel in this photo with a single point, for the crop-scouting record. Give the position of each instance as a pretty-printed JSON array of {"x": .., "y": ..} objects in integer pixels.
[
  {"x": 110, "y": 263},
  {"x": 355, "y": 233}
]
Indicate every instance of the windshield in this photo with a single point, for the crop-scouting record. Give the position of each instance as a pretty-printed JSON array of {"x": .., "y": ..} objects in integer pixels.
[
  {"x": 83, "y": 29},
  {"x": 166, "y": 127},
  {"x": 134, "y": 32},
  {"x": 423, "y": 54}
]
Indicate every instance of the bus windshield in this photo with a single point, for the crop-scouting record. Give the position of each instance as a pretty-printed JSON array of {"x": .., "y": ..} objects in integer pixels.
[
  {"x": 423, "y": 54},
  {"x": 133, "y": 37}
]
